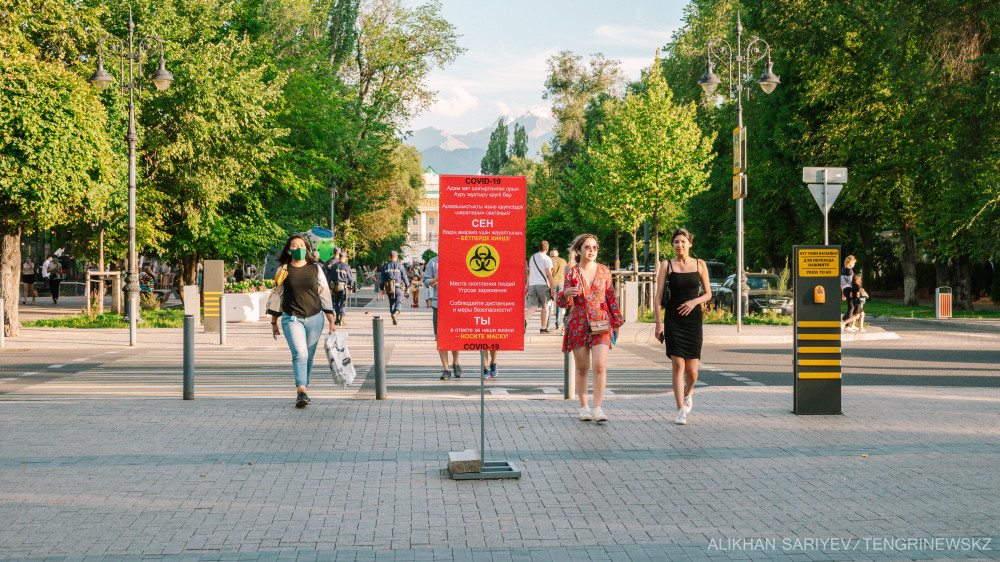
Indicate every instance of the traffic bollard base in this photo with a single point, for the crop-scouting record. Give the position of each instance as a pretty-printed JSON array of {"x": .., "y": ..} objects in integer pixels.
[{"x": 492, "y": 470}]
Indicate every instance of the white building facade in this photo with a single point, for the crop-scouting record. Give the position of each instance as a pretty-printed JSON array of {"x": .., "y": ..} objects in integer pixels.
[{"x": 423, "y": 228}]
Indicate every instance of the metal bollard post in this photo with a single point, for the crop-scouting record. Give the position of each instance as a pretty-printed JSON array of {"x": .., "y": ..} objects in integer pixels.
[
  {"x": 189, "y": 357},
  {"x": 222, "y": 320},
  {"x": 3, "y": 319},
  {"x": 378, "y": 346},
  {"x": 569, "y": 376}
]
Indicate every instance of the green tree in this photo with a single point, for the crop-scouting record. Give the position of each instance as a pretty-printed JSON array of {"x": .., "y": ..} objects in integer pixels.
[
  {"x": 496, "y": 151},
  {"x": 55, "y": 156},
  {"x": 520, "y": 147},
  {"x": 650, "y": 158}
]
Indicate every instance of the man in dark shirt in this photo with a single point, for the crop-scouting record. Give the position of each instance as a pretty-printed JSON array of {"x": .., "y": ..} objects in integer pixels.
[
  {"x": 395, "y": 284},
  {"x": 341, "y": 283}
]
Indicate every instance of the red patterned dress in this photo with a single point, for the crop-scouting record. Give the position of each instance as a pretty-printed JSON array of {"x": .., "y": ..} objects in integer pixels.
[{"x": 600, "y": 303}]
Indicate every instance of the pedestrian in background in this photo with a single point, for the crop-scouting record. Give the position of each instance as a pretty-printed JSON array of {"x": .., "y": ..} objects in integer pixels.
[
  {"x": 53, "y": 272},
  {"x": 539, "y": 283},
  {"x": 341, "y": 284},
  {"x": 28, "y": 279},
  {"x": 394, "y": 283},
  {"x": 681, "y": 330},
  {"x": 301, "y": 298},
  {"x": 593, "y": 324},
  {"x": 846, "y": 278},
  {"x": 430, "y": 281},
  {"x": 558, "y": 279},
  {"x": 856, "y": 298}
]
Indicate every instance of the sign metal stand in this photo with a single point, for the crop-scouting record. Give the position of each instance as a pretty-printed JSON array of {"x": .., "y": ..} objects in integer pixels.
[{"x": 481, "y": 283}]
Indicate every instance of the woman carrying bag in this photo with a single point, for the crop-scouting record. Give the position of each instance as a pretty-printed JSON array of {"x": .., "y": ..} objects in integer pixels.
[
  {"x": 593, "y": 323},
  {"x": 301, "y": 298},
  {"x": 682, "y": 286}
]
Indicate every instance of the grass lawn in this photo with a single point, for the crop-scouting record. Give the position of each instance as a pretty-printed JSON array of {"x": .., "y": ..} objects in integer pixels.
[
  {"x": 165, "y": 318},
  {"x": 891, "y": 309},
  {"x": 719, "y": 316}
]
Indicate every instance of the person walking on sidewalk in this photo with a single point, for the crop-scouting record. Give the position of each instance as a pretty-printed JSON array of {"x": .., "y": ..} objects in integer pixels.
[
  {"x": 341, "y": 283},
  {"x": 540, "y": 287},
  {"x": 856, "y": 298},
  {"x": 682, "y": 329},
  {"x": 558, "y": 279},
  {"x": 301, "y": 298},
  {"x": 490, "y": 371},
  {"x": 846, "y": 278},
  {"x": 593, "y": 324},
  {"x": 28, "y": 279},
  {"x": 53, "y": 272},
  {"x": 431, "y": 282},
  {"x": 395, "y": 284}
]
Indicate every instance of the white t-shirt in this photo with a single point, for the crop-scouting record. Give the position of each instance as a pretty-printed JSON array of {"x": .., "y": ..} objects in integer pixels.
[
  {"x": 537, "y": 266},
  {"x": 45, "y": 268}
]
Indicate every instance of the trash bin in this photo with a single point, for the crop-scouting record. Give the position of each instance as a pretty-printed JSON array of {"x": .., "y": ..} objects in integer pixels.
[{"x": 942, "y": 302}]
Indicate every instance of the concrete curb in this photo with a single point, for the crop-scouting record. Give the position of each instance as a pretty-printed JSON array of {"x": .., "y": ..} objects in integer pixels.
[{"x": 958, "y": 323}]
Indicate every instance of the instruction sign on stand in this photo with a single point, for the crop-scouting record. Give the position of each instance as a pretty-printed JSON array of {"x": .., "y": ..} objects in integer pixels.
[
  {"x": 816, "y": 340},
  {"x": 481, "y": 278}
]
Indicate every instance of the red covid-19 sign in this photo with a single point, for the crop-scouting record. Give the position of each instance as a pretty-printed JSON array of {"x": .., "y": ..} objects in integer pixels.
[{"x": 481, "y": 263}]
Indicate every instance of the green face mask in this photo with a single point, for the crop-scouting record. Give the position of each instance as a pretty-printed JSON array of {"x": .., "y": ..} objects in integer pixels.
[{"x": 298, "y": 254}]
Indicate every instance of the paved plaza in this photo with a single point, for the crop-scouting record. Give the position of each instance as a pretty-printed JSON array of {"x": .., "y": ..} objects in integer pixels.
[{"x": 99, "y": 457}]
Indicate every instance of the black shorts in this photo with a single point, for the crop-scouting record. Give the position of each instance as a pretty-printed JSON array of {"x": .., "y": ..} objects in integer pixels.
[{"x": 28, "y": 278}]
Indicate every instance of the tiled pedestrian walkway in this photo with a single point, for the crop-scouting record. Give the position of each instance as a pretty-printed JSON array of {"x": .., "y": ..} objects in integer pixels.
[{"x": 358, "y": 479}]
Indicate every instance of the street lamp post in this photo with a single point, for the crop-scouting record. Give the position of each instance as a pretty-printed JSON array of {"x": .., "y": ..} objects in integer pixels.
[
  {"x": 132, "y": 51},
  {"x": 744, "y": 60}
]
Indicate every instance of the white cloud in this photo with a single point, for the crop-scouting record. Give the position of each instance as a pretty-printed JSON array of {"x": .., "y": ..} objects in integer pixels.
[
  {"x": 454, "y": 101},
  {"x": 635, "y": 37}
]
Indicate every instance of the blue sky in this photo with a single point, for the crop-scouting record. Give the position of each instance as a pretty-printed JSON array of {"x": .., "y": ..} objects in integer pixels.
[{"x": 503, "y": 69}]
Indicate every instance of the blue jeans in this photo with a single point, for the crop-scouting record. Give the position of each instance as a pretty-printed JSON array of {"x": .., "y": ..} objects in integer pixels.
[
  {"x": 302, "y": 335},
  {"x": 554, "y": 315}
]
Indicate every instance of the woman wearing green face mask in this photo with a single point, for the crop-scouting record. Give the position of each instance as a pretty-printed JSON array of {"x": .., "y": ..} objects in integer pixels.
[{"x": 300, "y": 300}]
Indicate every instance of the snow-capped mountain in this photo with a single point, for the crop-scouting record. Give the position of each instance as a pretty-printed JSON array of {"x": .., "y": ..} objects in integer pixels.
[{"x": 461, "y": 153}]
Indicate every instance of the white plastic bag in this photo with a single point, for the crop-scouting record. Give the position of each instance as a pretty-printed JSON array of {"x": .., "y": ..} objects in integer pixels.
[{"x": 339, "y": 358}]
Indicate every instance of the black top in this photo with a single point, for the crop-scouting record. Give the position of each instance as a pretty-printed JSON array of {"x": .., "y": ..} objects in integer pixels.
[
  {"x": 846, "y": 277},
  {"x": 341, "y": 272},
  {"x": 300, "y": 295}
]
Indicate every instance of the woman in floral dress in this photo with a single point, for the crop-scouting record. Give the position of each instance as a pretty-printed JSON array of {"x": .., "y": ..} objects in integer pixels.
[{"x": 591, "y": 294}]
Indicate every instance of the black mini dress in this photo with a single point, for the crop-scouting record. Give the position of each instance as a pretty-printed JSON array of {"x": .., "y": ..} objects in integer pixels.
[{"x": 683, "y": 333}]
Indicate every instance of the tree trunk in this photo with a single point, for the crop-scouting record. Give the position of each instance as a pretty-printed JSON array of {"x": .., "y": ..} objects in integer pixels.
[
  {"x": 656, "y": 235},
  {"x": 941, "y": 272},
  {"x": 962, "y": 291},
  {"x": 867, "y": 234},
  {"x": 10, "y": 279},
  {"x": 618, "y": 260},
  {"x": 908, "y": 259},
  {"x": 188, "y": 272},
  {"x": 635, "y": 254}
]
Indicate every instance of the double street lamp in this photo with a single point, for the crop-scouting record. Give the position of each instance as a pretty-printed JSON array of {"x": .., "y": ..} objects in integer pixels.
[
  {"x": 742, "y": 61},
  {"x": 132, "y": 51}
]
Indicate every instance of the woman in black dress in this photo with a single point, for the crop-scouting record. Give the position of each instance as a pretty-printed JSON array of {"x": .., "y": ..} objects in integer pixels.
[{"x": 681, "y": 330}]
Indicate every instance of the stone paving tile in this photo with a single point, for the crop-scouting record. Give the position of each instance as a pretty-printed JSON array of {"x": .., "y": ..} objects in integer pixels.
[{"x": 363, "y": 480}]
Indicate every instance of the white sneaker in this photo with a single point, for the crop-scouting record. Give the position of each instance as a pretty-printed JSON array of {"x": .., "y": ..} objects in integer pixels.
[
  {"x": 682, "y": 417},
  {"x": 585, "y": 414},
  {"x": 852, "y": 329},
  {"x": 688, "y": 402},
  {"x": 599, "y": 415}
]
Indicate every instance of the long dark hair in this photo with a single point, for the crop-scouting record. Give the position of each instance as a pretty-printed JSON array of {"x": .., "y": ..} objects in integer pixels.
[{"x": 285, "y": 257}]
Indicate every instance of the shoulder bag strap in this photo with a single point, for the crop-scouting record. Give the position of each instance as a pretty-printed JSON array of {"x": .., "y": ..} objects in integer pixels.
[{"x": 538, "y": 268}]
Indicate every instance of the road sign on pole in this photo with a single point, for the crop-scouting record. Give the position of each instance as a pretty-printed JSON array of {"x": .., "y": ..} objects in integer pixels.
[
  {"x": 739, "y": 186},
  {"x": 825, "y": 202},
  {"x": 829, "y": 175},
  {"x": 825, "y": 193}
]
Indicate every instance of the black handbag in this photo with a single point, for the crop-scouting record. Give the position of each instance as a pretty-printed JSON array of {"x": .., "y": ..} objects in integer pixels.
[{"x": 665, "y": 298}]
